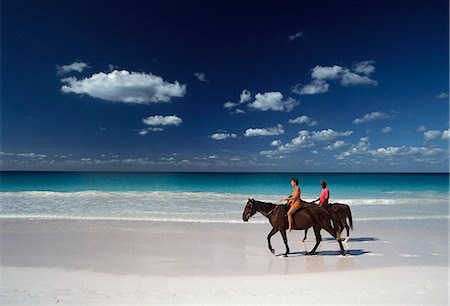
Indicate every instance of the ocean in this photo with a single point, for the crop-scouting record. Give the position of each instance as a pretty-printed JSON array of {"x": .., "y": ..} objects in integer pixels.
[{"x": 214, "y": 197}]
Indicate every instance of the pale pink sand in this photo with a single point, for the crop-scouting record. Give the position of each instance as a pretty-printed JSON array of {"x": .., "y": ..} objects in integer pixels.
[{"x": 136, "y": 262}]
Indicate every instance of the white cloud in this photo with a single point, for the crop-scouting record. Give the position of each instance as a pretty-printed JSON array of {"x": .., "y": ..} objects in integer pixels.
[
  {"x": 315, "y": 87},
  {"x": 201, "y": 76},
  {"x": 306, "y": 139},
  {"x": 275, "y": 143},
  {"x": 353, "y": 79},
  {"x": 445, "y": 134},
  {"x": 230, "y": 104},
  {"x": 125, "y": 86},
  {"x": 442, "y": 95},
  {"x": 359, "y": 75},
  {"x": 364, "y": 139},
  {"x": 390, "y": 152},
  {"x": 272, "y": 101},
  {"x": 295, "y": 36},
  {"x": 326, "y": 73},
  {"x": 303, "y": 120},
  {"x": 432, "y": 134},
  {"x": 222, "y": 135},
  {"x": 387, "y": 129},
  {"x": 371, "y": 117},
  {"x": 336, "y": 145},
  {"x": 252, "y": 132},
  {"x": 245, "y": 96},
  {"x": 145, "y": 131},
  {"x": 162, "y": 120},
  {"x": 239, "y": 111},
  {"x": 421, "y": 129},
  {"x": 404, "y": 151},
  {"x": 32, "y": 155},
  {"x": 75, "y": 66},
  {"x": 364, "y": 67}
]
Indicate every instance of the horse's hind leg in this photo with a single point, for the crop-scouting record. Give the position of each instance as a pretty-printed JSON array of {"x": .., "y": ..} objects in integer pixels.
[
  {"x": 283, "y": 233},
  {"x": 304, "y": 238},
  {"x": 347, "y": 228},
  {"x": 272, "y": 232},
  {"x": 318, "y": 240}
]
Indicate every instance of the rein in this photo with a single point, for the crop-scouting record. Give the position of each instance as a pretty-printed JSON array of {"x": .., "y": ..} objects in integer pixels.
[{"x": 271, "y": 211}]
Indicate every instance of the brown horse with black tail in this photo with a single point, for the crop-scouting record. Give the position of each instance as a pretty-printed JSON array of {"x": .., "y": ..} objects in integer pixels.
[
  {"x": 309, "y": 215},
  {"x": 342, "y": 212}
]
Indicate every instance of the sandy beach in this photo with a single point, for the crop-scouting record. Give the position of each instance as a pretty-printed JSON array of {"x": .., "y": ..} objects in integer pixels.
[{"x": 140, "y": 262}]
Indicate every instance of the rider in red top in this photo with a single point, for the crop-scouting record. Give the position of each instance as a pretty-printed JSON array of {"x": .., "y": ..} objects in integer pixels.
[{"x": 324, "y": 195}]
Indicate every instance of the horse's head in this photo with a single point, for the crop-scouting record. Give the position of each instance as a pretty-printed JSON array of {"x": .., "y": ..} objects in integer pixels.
[{"x": 249, "y": 210}]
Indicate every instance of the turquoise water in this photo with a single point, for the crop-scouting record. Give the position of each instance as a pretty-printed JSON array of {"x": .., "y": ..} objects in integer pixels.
[{"x": 212, "y": 197}]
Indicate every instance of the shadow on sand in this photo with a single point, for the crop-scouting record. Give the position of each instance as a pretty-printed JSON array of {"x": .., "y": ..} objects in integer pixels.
[
  {"x": 360, "y": 239},
  {"x": 354, "y": 252}
]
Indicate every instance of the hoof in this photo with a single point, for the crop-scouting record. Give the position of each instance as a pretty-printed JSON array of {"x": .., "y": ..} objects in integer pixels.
[
  {"x": 285, "y": 255},
  {"x": 311, "y": 253},
  {"x": 273, "y": 251},
  {"x": 303, "y": 240},
  {"x": 346, "y": 239},
  {"x": 342, "y": 253}
]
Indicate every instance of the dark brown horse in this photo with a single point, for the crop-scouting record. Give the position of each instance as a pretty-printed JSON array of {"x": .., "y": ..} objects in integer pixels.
[
  {"x": 341, "y": 212},
  {"x": 310, "y": 216}
]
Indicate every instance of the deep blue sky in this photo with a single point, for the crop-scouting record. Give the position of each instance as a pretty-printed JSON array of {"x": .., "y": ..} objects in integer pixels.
[{"x": 393, "y": 55}]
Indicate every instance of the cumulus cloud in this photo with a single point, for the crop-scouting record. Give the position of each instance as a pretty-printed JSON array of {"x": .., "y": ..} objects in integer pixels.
[
  {"x": 434, "y": 134},
  {"x": 442, "y": 95},
  {"x": 125, "y": 86},
  {"x": 145, "y": 131},
  {"x": 222, "y": 135},
  {"x": 162, "y": 120},
  {"x": 358, "y": 75},
  {"x": 364, "y": 67},
  {"x": 326, "y": 72},
  {"x": 315, "y": 87},
  {"x": 391, "y": 152},
  {"x": 274, "y": 101},
  {"x": 295, "y": 36},
  {"x": 275, "y": 143},
  {"x": 201, "y": 76},
  {"x": 421, "y": 128},
  {"x": 244, "y": 97},
  {"x": 387, "y": 129},
  {"x": 353, "y": 79},
  {"x": 306, "y": 139},
  {"x": 271, "y": 131},
  {"x": 336, "y": 145},
  {"x": 32, "y": 155},
  {"x": 371, "y": 117},
  {"x": 303, "y": 120},
  {"x": 75, "y": 66}
]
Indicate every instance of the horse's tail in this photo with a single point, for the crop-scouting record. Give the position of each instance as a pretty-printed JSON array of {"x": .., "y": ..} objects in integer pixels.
[
  {"x": 349, "y": 216},
  {"x": 336, "y": 224}
]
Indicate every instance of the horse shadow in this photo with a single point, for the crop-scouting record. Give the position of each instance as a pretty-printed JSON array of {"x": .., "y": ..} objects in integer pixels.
[
  {"x": 353, "y": 252},
  {"x": 360, "y": 239}
]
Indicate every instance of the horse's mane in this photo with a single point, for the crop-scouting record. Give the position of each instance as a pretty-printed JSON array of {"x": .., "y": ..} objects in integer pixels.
[{"x": 264, "y": 203}]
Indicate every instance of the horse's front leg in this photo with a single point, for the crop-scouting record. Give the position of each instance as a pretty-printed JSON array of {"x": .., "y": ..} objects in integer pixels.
[
  {"x": 306, "y": 232},
  {"x": 272, "y": 232},
  {"x": 283, "y": 233},
  {"x": 318, "y": 240}
]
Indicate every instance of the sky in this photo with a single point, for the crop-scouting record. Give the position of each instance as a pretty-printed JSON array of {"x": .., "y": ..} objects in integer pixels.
[{"x": 289, "y": 86}]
